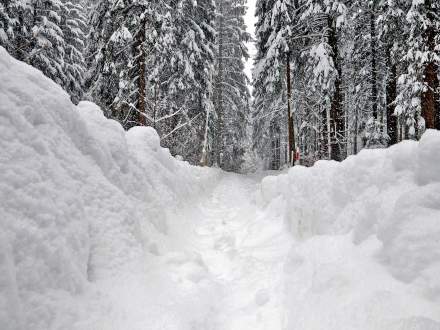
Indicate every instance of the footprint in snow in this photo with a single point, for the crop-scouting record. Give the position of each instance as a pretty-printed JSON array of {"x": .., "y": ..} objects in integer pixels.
[{"x": 262, "y": 297}]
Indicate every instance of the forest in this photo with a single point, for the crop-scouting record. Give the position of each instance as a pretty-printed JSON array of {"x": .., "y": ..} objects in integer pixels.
[
  {"x": 330, "y": 77},
  {"x": 354, "y": 74}
]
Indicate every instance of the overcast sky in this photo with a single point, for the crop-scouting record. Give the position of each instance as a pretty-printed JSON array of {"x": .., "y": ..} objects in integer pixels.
[{"x": 250, "y": 21}]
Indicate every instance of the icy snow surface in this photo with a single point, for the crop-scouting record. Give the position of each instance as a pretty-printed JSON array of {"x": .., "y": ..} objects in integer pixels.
[{"x": 103, "y": 229}]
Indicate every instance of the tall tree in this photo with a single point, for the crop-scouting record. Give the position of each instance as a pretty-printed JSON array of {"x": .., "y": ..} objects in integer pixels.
[
  {"x": 231, "y": 93},
  {"x": 418, "y": 85},
  {"x": 391, "y": 28},
  {"x": 74, "y": 26},
  {"x": 328, "y": 16},
  {"x": 47, "y": 46}
]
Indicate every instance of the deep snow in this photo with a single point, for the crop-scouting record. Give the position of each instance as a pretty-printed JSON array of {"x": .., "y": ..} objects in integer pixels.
[{"x": 103, "y": 229}]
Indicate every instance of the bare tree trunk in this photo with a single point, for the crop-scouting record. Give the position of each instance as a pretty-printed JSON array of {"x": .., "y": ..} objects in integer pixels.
[
  {"x": 373, "y": 63},
  {"x": 141, "y": 102},
  {"x": 290, "y": 127},
  {"x": 220, "y": 75},
  {"x": 356, "y": 131},
  {"x": 391, "y": 91},
  {"x": 336, "y": 113},
  {"x": 204, "y": 157},
  {"x": 329, "y": 136},
  {"x": 430, "y": 95}
]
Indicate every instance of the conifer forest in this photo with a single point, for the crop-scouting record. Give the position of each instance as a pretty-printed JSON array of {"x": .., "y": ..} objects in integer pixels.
[{"x": 330, "y": 77}]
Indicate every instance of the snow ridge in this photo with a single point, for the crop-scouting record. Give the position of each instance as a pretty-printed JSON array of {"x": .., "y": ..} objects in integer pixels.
[{"x": 81, "y": 199}]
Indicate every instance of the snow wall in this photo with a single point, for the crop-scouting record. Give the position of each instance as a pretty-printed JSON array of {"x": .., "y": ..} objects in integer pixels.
[
  {"x": 80, "y": 198},
  {"x": 367, "y": 238}
]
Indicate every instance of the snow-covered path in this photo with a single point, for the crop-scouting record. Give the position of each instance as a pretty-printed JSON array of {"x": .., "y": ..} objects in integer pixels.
[
  {"x": 234, "y": 265},
  {"x": 245, "y": 253},
  {"x": 222, "y": 271}
]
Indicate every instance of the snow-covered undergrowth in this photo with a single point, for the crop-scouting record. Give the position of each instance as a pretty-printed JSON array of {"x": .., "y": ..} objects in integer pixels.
[
  {"x": 367, "y": 238},
  {"x": 81, "y": 200}
]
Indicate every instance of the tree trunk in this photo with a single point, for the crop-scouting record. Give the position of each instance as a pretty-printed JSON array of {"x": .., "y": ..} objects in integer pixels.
[
  {"x": 336, "y": 113},
  {"x": 204, "y": 156},
  {"x": 141, "y": 102},
  {"x": 220, "y": 75},
  {"x": 430, "y": 95},
  {"x": 373, "y": 63},
  {"x": 391, "y": 90},
  {"x": 291, "y": 133},
  {"x": 356, "y": 132}
]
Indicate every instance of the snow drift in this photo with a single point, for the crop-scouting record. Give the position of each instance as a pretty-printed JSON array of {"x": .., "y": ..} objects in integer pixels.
[
  {"x": 367, "y": 253},
  {"x": 80, "y": 198}
]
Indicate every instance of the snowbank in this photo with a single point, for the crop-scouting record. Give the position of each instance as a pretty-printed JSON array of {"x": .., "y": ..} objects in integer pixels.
[
  {"x": 80, "y": 199},
  {"x": 367, "y": 251}
]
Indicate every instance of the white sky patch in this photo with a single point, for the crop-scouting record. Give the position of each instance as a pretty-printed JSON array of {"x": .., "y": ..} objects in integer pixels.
[{"x": 250, "y": 21}]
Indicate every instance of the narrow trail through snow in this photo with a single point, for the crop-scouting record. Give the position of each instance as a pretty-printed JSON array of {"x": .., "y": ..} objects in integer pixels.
[
  {"x": 245, "y": 254},
  {"x": 222, "y": 269},
  {"x": 233, "y": 265}
]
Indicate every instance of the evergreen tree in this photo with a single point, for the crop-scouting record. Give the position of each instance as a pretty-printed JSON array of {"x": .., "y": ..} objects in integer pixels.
[
  {"x": 74, "y": 25},
  {"x": 183, "y": 111},
  {"x": 271, "y": 124},
  {"x": 47, "y": 47},
  {"x": 417, "y": 100},
  {"x": 14, "y": 27},
  {"x": 231, "y": 94}
]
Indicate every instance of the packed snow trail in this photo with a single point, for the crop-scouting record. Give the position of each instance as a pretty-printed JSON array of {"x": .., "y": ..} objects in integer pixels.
[
  {"x": 223, "y": 270},
  {"x": 233, "y": 265},
  {"x": 245, "y": 253}
]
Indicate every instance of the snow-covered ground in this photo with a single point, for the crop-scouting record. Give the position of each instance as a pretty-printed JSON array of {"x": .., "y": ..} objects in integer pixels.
[{"x": 103, "y": 229}]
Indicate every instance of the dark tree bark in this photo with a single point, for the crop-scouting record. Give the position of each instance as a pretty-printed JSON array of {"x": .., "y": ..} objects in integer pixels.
[
  {"x": 391, "y": 90},
  {"x": 290, "y": 127},
  {"x": 336, "y": 112},
  {"x": 140, "y": 50},
  {"x": 430, "y": 95},
  {"x": 220, "y": 74},
  {"x": 373, "y": 63}
]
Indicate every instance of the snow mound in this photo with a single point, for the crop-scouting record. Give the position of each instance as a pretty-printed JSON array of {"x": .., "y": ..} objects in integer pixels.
[
  {"x": 367, "y": 251},
  {"x": 80, "y": 199}
]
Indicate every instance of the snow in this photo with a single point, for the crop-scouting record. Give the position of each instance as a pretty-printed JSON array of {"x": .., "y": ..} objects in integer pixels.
[
  {"x": 79, "y": 202},
  {"x": 367, "y": 231},
  {"x": 103, "y": 229}
]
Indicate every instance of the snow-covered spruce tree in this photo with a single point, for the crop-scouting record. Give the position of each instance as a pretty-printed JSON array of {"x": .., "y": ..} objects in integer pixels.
[
  {"x": 108, "y": 54},
  {"x": 48, "y": 35},
  {"x": 47, "y": 46},
  {"x": 418, "y": 86},
  {"x": 74, "y": 25},
  {"x": 266, "y": 103},
  {"x": 391, "y": 31},
  {"x": 326, "y": 71},
  {"x": 231, "y": 94},
  {"x": 375, "y": 136},
  {"x": 7, "y": 23},
  {"x": 15, "y": 19},
  {"x": 273, "y": 121},
  {"x": 151, "y": 63},
  {"x": 122, "y": 44},
  {"x": 183, "y": 94}
]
